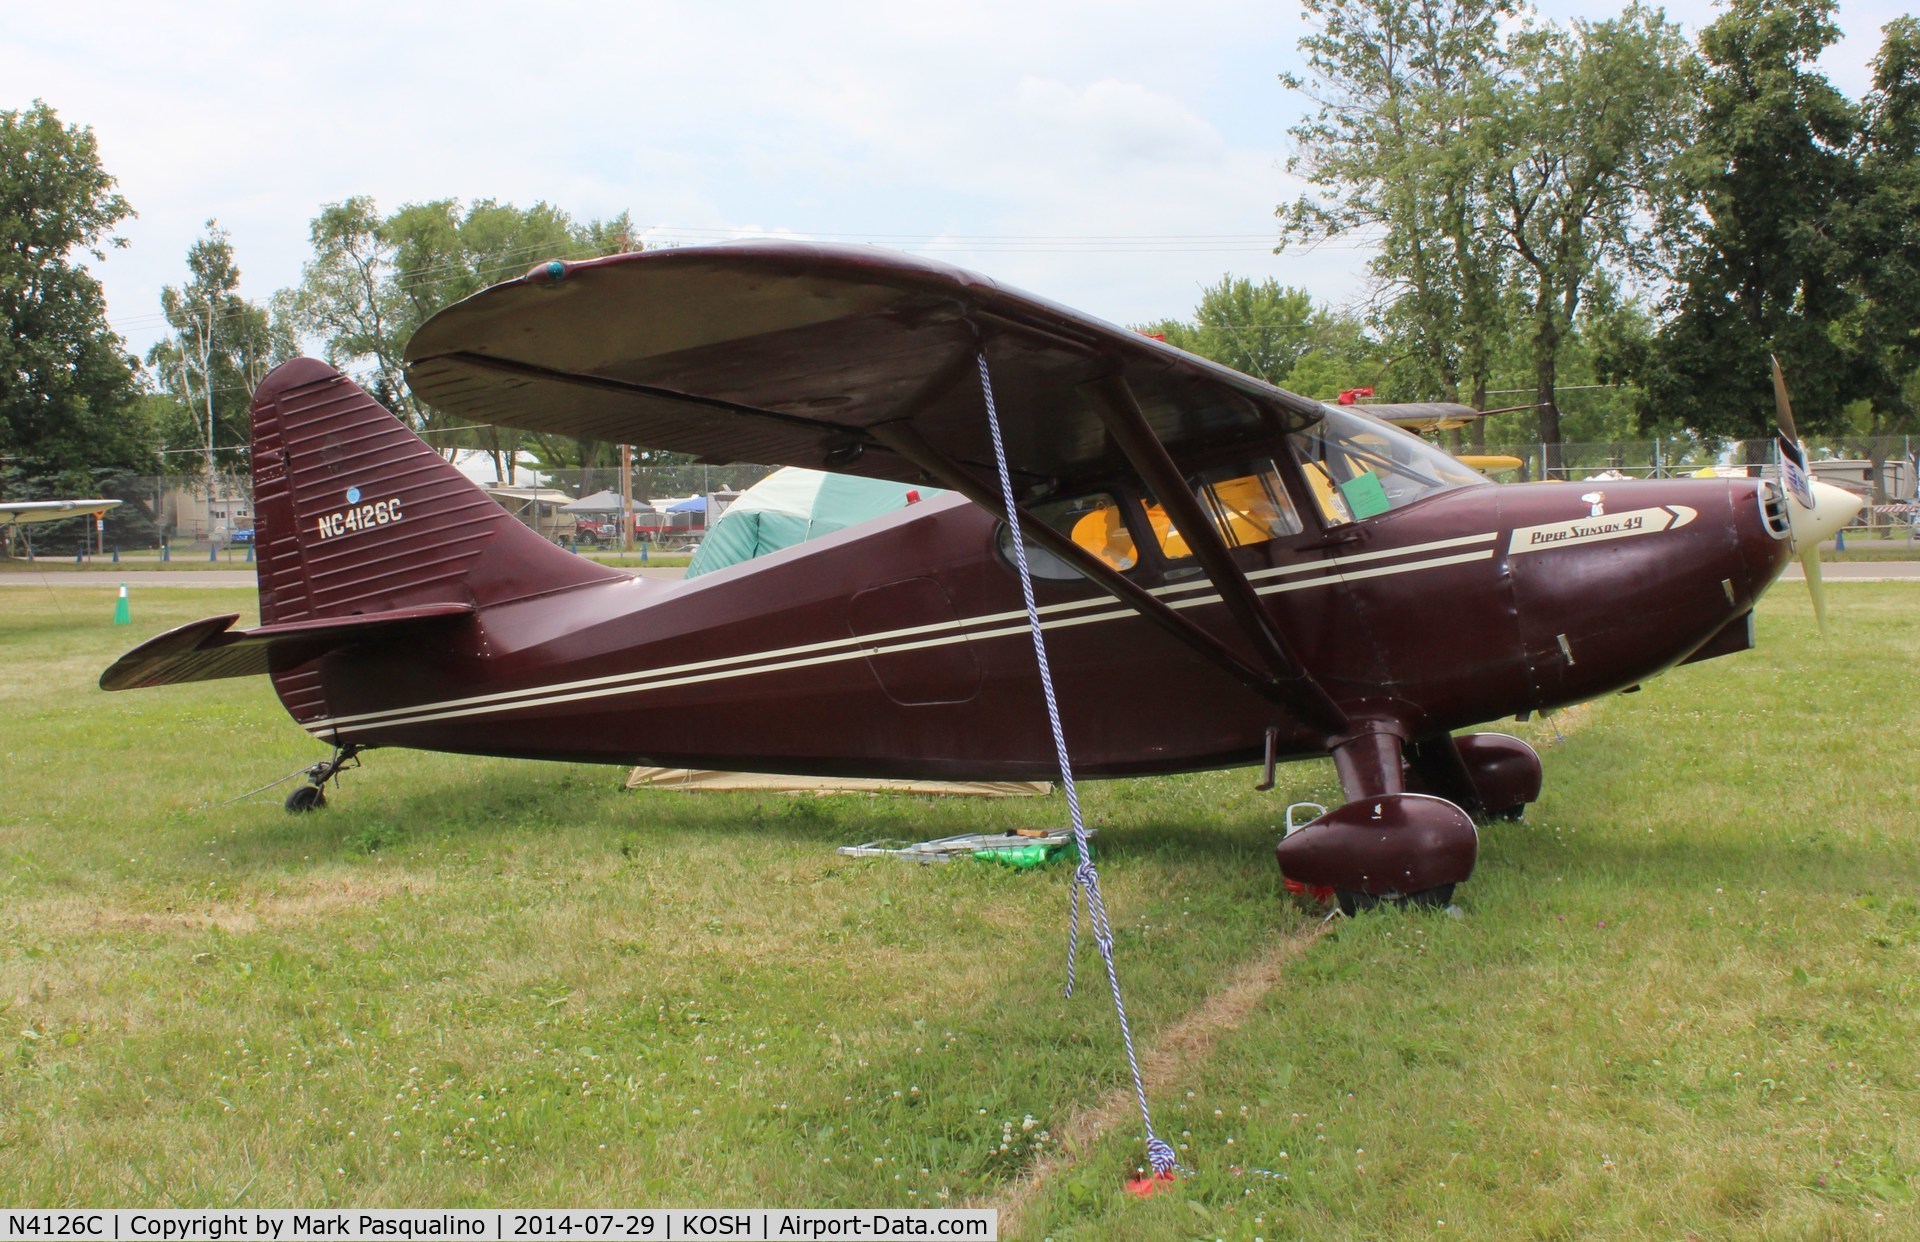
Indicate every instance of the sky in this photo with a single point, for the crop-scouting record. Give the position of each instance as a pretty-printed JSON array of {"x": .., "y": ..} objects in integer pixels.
[{"x": 1114, "y": 155}]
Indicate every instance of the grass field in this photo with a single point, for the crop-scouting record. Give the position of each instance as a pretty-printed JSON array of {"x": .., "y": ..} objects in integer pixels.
[{"x": 1680, "y": 1001}]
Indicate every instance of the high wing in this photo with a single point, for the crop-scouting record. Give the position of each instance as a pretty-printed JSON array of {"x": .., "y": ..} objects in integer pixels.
[
  {"x": 22, "y": 512},
  {"x": 791, "y": 354},
  {"x": 863, "y": 361}
]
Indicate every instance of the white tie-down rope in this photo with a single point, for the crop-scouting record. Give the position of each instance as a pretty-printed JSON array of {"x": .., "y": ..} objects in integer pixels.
[{"x": 1086, "y": 875}]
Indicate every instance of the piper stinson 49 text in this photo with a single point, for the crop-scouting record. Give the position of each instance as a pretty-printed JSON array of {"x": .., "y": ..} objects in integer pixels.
[{"x": 1226, "y": 571}]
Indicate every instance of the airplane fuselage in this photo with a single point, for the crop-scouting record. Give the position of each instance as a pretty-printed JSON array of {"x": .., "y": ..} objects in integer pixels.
[{"x": 900, "y": 648}]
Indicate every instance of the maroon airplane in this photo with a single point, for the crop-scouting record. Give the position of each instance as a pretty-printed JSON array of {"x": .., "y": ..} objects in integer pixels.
[{"x": 1226, "y": 571}]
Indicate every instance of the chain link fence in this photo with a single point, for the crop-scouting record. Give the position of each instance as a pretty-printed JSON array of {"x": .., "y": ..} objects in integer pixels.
[{"x": 168, "y": 516}]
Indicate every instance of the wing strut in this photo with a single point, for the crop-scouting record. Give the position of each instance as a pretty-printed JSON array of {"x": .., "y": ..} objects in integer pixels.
[
  {"x": 1113, "y": 400},
  {"x": 902, "y": 438}
]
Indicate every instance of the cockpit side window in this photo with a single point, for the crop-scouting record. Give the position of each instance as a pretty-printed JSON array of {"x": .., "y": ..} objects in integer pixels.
[
  {"x": 1247, "y": 503},
  {"x": 1095, "y": 522},
  {"x": 1359, "y": 467}
]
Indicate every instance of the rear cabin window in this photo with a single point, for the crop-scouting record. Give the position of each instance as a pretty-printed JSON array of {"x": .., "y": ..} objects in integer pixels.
[
  {"x": 1094, "y": 522},
  {"x": 1247, "y": 504}
]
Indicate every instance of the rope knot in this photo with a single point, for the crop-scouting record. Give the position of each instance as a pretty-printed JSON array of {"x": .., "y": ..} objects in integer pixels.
[{"x": 1160, "y": 1155}]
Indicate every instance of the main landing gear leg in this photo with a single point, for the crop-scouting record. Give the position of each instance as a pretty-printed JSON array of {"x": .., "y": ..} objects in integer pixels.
[
  {"x": 313, "y": 795},
  {"x": 1490, "y": 775},
  {"x": 1385, "y": 844}
]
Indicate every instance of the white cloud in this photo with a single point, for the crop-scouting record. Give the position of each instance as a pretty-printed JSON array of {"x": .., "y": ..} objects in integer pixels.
[{"x": 866, "y": 119}]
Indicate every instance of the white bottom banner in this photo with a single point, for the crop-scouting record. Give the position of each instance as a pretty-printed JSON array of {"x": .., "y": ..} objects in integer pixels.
[{"x": 498, "y": 1224}]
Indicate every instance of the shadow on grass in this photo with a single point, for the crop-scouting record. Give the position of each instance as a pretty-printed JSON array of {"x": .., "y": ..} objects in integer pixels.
[
  {"x": 496, "y": 806},
  {"x": 1675, "y": 864}
]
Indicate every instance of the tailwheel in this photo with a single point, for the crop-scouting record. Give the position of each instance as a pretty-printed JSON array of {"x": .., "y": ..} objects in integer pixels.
[
  {"x": 1353, "y": 901},
  {"x": 313, "y": 795},
  {"x": 306, "y": 798}
]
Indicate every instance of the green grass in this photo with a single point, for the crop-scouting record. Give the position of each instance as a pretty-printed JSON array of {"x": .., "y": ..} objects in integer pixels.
[{"x": 1679, "y": 1001}]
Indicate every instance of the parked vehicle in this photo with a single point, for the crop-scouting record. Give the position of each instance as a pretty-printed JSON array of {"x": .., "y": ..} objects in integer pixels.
[{"x": 599, "y": 534}]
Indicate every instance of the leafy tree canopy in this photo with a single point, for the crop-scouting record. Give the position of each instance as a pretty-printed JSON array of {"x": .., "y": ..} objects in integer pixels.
[
  {"x": 221, "y": 347},
  {"x": 1764, "y": 271},
  {"x": 66, "y": 382},
  {"x": 1275, "y": 332},
  {"x": 374, "y": 279},
  {"x": 1882, "y": 234}
]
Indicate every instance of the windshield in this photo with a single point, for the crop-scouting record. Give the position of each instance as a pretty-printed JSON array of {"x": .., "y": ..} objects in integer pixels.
[{"x": 1358, "y": 467}]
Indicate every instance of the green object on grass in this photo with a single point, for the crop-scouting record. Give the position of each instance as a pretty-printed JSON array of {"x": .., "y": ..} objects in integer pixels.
[
  {"x": 1027, "y": 857},
  {"x": 1021, "y": 857},
  {"x": 1364, "y": 495}
]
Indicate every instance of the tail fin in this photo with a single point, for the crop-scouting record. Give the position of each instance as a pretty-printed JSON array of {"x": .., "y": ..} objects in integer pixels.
[{"x": 357, "y": 515}]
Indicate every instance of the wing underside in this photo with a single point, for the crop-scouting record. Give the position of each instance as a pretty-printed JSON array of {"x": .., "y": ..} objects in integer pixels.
[{"x": 787, "y": 354}]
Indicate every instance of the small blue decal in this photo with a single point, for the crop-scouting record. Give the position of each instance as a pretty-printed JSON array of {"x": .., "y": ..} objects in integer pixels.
[{"x": 353, "y": 495}]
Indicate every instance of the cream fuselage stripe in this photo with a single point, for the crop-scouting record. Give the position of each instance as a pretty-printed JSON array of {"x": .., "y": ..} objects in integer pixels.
[{"x": 937, "y": 634}]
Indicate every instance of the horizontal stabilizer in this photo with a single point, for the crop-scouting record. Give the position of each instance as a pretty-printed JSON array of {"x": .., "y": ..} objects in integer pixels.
[{"x": 206, "y": 650}]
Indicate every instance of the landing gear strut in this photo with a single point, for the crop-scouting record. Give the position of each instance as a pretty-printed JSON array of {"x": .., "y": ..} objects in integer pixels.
[{"x": 313, "y": 795}]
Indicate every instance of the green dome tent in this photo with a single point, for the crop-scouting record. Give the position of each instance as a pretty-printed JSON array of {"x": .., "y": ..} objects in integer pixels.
[{"x": 793, "y": 505}]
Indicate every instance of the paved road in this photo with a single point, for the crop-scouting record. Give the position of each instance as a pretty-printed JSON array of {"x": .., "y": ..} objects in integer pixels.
[{"x": 1858, "y": 571}]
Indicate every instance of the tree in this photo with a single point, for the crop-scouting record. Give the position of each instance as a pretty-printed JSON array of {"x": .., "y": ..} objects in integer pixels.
[
  {"x": 374, "y": 280},
  {"x": 222, "y": 346},
  {"x": 1587, "y": 132},
  {"x": 1395, "y": 151},
  {"x": 1272, "y": 333},
  {"x": 1764, "y": 269},
  {"x": 67, "y": 394},
  {"x": 346, "y": 297},
  {"x": 1881, "y": 234}
]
